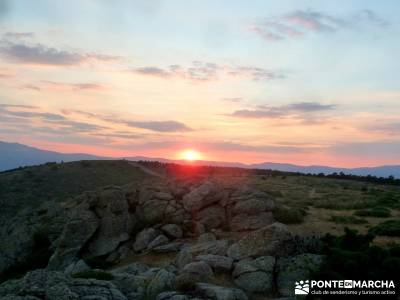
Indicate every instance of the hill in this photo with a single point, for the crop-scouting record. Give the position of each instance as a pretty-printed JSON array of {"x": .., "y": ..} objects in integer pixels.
[
  {"x": 57, "y": 182},
  {"x": 14, "y": 155}
]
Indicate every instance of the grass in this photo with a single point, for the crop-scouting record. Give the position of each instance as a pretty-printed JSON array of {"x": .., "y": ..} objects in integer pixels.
[
  {"x": 58, "y": 182},
  {"x": 387, "y": 228},
  {"x": 348, "y": 220},
  {"x": 378, "y": 212}
]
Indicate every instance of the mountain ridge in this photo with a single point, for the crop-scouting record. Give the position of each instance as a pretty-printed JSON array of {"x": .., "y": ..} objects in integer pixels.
[{"x": 14, "y": 155}]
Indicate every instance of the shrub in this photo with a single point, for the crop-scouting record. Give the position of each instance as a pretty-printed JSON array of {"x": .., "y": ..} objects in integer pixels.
[
  {"x": 95, "y": 274},
  {"x": 388, "y": 228},
  {"x": 348, "y": 220},
  {"x": 289, "y": 215},
  {"x": 378, "y": 212},
  {"x": 351, "y": 256}
]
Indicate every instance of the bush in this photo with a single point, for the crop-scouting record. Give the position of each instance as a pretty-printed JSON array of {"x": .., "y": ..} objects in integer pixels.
[
  {"x": 378, "y": 212},
  {"x": 348, "y": 220},
  {"x": 388, "y": 228},
  {"x": 95, "y": 274},
  {"x": 288, "y": 215},
  {"x": 351, "y": 256}
]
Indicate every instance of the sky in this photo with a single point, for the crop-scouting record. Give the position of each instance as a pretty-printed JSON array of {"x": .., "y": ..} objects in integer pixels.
[{"x": 303, "y": 82}]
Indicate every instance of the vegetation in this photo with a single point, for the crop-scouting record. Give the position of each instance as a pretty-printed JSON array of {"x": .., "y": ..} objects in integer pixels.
[
  {"x": 352, "y": 256},
  {"x": 95, "y": 274},
  {"x": 288, "y": 215},
  {"x": 378, "y": 212},
  {"x": 387, "y": 228},
  {"x": 30, "y": 185},
  {"x": 348, "y": 220}
]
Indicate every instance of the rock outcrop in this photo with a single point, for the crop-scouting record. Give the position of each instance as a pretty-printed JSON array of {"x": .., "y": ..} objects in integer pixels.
[{"x": 274, "y": 240}]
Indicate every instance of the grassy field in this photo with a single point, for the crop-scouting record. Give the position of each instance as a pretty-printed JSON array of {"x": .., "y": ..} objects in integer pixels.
[
  {"x": 312, "y": 205},
  {"x": 59, "y": 182}
]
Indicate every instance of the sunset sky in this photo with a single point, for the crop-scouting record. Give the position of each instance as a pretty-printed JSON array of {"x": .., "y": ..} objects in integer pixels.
[{"x": 304, "y": 82}]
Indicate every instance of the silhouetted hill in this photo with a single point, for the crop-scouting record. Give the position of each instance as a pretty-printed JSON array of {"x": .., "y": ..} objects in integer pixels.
[{"x": 14, "y": 155}]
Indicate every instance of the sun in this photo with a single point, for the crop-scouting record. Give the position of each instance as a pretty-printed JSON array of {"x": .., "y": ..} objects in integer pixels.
[{"x": 190, "y": 155}]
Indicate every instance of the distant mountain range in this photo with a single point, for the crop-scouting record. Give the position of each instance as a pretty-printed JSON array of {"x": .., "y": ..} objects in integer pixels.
[{"x": 14, "y": 155}]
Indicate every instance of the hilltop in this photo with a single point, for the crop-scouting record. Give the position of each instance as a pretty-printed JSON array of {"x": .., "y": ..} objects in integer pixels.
[
  {"x": 15, "y": 155},
  {"x": 150, "y": 230}
]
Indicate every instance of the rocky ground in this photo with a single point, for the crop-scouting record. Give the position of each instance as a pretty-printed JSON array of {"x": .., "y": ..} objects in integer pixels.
[{"x": 214, "y": 238}]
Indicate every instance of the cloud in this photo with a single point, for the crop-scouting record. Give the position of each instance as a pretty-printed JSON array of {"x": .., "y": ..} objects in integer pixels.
[
  {"x": 370, "y": 149},
  {"x": 157, "y": 126},
  {"x": 296, "y": 109},
  {"x": 310, "y": 106},
  {"x": 302, "y": 22},
  {"x": 30, "y": 114},
  {"x": 74, "y": 86},
  {"x": 5, "y": 105},
  {"x": 160, "y": 126},
  {"x": 18, "y": 35},
  {"x": 30, "y": 87},
  {"x": 233, "y": 99},
  {"x": 206, "y": 71},
  {"x": 258, "y": 113},
  {"x": 39, "y": 54},
  {"x": 391, "y": 128},
  {"x": 234, "y": 146},
  {"x": 152, "y": 71},
  {"x": 21, "y": 115}
]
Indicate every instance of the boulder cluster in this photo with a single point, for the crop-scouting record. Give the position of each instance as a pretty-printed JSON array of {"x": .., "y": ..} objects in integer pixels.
[{"x": 210, "y": 228}]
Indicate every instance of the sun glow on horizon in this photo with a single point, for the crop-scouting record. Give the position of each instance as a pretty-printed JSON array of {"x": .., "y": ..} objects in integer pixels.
[{"x": 190, "y": 155}]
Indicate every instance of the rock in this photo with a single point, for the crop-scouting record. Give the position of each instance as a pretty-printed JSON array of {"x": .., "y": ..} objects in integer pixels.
[
  {"x": 53, "y": 285},
  {"x": 198, "y": 228},
  {"x": 79, "y": 266},
  {"x": 115, "y": 222},
  {"x": 199, "y": 270},
  {"x": 244, "y": 222},
  {"x": 144, "y": 238},
  {"x": 291, "y": 269},
  {"x": 217, "y": 262},
  {"x": 162, "y": 281},
  {"x": 80, "y": 227},
  {"x": 158, "y": 241},
  {"x": 220, "y": 293},
  {"x": 211, "y": 216},
  {"x": 172, "y": 295},
  {"x": 152, "y": 211},
  {"x": 255, "y": 275},
  {"x": 183, "y": 258},
  {"x": 253, "y": 206},
  {"x": 274, "y": 240},
  {"x": 202, "y": 196},
  {"x": 133, "y": 269},
  {"x": 172, "y": 231},
  {"x": 20, "y": 228},
  {"x": 170, "y": 247},
  {"x": 163, "y": 196},
  {"x": 206, "y": 237},
  {"x": 218, "y": 247}
]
